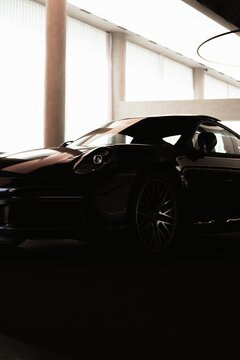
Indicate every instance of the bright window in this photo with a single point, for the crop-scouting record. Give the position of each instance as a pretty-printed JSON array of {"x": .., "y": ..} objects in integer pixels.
[
  {"x": 150, "y": 76},
  {"x": 87, "y": 78},
  {"x": 22, "y": 44},
  {"x": 217, "y": 89}
]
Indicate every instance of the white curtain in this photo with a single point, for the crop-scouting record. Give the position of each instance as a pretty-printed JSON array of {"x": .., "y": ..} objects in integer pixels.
[
  {"x": 177, "y": 81},
  {"x": 218, "y": 89},
  {"x": 22, "y": 46},
  {"x": 150, "y": 76},
  {"x": 143, "y": 74},
  {"x": 233, "y": 91},
  {"x": 22, "y": 74},
  {"x": 87, "y": 78}
]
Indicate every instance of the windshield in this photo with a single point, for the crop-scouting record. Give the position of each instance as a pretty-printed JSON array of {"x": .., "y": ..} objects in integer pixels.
[
  {"x": 151, "y": 130},
  {"x": 110, "y": 133}
]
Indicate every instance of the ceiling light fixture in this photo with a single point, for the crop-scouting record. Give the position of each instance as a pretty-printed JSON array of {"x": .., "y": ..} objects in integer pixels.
[{"x": 221, "y": 49}]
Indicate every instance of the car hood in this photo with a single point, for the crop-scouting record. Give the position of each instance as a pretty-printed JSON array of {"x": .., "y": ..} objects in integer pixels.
[{"x": 34, "y": 160}]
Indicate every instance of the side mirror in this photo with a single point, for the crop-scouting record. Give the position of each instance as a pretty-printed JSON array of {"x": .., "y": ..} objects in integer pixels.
[
  {"x": 66, "y": 143},
  {"x": 207, "y": 141}
]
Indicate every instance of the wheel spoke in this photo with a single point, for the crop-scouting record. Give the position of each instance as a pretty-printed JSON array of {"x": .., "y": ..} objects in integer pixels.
[
  {"x": 158, "y": 237},
  {"x": 148, "y": 196},
  {"x": 144, "y": 224},
  {"x": 156, "y": 214},
  {"x": 162, "y": 195}
]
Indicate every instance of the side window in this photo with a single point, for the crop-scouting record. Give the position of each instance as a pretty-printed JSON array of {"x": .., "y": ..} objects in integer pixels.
[
  {"x": 236, "y": 144},
  {"x": 224, "y": 144},
  {"x": 172, "y": 139},
  {"x": 221, "y": 146}
]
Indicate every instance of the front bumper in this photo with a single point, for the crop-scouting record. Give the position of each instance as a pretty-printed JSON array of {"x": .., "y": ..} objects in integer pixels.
[
  {"x": 33, "y": 216},
  {"x": 30, "y": 212}
]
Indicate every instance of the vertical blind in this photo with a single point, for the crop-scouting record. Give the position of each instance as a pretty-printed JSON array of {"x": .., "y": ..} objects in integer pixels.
[
  {"x": 218, "y": 89},
  {"x": 87, "y": 78},
  {"x": 22, "y": 46},
  {"x": 22, "y": 74},
  {"x": 150, "y": 76},
  {"x": 177, "y": 81},
  {"x": 143, "y": 74}
]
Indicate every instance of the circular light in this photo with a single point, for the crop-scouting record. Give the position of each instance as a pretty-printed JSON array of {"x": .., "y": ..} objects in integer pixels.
[
  {"x": 97, "y": 159},
  {"x": 105, "y": 152},
  {"x": 222, "y": 49}
]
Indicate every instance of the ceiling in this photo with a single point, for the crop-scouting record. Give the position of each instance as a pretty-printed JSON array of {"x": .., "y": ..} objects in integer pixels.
[
  {"x": 148, "y": 20},
  {"x": 227, "y": 9}
]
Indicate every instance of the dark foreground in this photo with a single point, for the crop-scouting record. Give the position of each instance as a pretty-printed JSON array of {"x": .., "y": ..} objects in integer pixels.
[{"x": 69, "y": 300}]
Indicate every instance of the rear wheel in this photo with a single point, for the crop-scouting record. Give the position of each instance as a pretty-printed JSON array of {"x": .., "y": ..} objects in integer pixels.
[{"x": 154, "y": 213}]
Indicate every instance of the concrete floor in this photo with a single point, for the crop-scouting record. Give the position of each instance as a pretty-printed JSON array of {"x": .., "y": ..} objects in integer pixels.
[{"x": 61, "y": 299}]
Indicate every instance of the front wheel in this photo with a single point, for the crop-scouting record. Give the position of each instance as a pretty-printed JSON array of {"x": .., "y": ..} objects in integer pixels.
[{"x": 155, "y": 213}]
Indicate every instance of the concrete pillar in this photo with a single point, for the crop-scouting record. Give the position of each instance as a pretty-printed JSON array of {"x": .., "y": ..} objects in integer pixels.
[
  {"x": 118, "y": 72},
  {"x": 198, "y": 83},
  {"x": 55, "y": 73}
]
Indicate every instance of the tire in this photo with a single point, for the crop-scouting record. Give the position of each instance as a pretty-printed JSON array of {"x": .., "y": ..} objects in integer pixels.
[{"x": 154, "y": 213}]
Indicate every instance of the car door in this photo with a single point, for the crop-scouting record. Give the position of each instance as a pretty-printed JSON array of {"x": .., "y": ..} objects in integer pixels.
[{"x": 212, "y": 176}]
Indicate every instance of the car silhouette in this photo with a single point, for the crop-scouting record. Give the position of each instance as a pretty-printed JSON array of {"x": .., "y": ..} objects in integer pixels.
[{"x": 158, "y": 177}]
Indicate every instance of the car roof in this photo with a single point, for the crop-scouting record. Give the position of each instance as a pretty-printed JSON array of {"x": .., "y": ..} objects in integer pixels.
[{"x": 165, "y": 125}]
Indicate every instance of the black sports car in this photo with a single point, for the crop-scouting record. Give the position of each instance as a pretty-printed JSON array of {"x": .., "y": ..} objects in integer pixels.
[{"x": 154, "y": 176}]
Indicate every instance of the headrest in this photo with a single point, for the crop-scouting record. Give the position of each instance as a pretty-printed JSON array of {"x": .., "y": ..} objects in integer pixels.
[{"x": 207, "y": 141}]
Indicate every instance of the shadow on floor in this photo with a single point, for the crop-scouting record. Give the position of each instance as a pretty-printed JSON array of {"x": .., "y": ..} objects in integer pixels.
[{"x": 65, "y": 296}]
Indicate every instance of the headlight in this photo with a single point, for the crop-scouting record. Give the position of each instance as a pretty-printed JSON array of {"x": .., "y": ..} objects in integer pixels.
[
  {"x": 94, "y": 160},
  {"x": 97, "y": 159}
]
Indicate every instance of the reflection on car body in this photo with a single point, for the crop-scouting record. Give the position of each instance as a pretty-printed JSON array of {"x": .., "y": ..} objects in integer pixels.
[{"x": 154, "y": 176}]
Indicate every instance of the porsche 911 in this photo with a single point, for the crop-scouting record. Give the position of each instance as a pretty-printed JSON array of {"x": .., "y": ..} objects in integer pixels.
[{"x": 157, "y": 177}]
